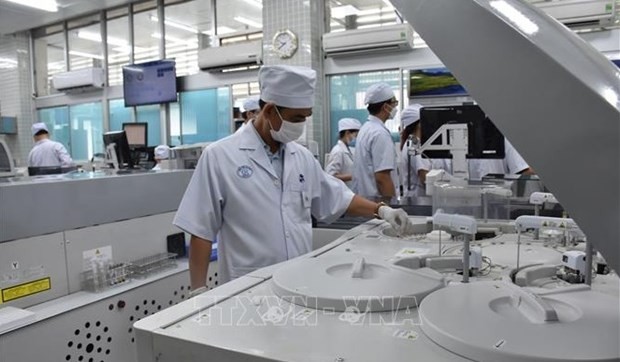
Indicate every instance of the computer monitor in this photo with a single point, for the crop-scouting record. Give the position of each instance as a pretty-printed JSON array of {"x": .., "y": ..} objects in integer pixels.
[
  {"x": 121, "y": 147},
  {"x": 7, "y": 167},
  {"x": 484, "y": 139},
  {"x": 137, "y": 134}
]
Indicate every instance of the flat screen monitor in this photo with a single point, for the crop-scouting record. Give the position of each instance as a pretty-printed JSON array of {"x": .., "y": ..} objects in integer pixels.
[
  {"x": 150, "y": 83},
  {"x": 136, "y": 134},
  {"x": 434, "y": 82},
  {"x": 7, "y": 167},
  {"x": 484, "y": 139},
  {"x": 123, "y": 153}
]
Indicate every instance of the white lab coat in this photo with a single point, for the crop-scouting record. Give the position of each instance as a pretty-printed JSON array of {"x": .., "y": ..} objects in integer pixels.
[
  {"x": 374, "y": 152},
  {"x": 261, "y": 219},
  {"x": 417, "y": 163},
  {"x": 340, "y": 161},
  {"x": 49, "y": 153}
]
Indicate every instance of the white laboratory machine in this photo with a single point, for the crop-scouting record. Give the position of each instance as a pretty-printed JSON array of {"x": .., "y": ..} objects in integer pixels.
[{"x": 371, "y": 296}]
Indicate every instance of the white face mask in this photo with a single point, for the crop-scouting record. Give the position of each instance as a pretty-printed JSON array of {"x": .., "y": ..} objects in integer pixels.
[
  {"x": 393, "y": 112},
  {"x": 288, "y": 132}
]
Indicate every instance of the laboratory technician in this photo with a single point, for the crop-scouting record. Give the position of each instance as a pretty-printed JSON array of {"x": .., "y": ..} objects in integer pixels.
[
  {"x": 47, "y": 153},
  {"x": 340, "y": 164},
  {"x": 258, "y": 189},
  {"x": 161, "y": 152},
  {"x": 375, "y": 158}
]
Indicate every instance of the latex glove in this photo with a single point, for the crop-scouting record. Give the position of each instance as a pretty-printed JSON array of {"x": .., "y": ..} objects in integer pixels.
[
  {"x": 195, "y": 292},
  {"x": 398, "y": 218}
]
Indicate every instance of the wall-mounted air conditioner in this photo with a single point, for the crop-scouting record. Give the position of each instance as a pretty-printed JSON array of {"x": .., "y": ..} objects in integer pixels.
[
  {"x": 82, "y": 79},
  {"x": 580, "y": 13},
  {"x": 391, "y": 37},
  {"x": 230, "y": 56}
]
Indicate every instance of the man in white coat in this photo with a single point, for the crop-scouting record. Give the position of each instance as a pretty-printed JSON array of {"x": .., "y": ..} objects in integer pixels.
[
  {"x": 340, "y": 164},
  {"x": 257, "y": 189},
  {"x": 46, "y": 152},
  {"x": 374, "y": 161}
]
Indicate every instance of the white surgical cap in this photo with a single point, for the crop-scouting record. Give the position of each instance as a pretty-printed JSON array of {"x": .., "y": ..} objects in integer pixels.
[
  {"x": 39, "y": 127},
  {"x": 410, "y": 115},
  {"x": 250, "y": 104},
  {"x": 162, "y": 152},
  {"x": 378, "y": 92},
  {"x": 287, "y": 86},
  {"x": 349, "y": 124}
]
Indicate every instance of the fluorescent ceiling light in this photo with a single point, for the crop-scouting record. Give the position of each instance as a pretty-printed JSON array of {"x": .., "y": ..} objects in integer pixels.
[
  {"x": 174, "y": 24},
  {"x": 340, "y": 12},
  {"x": 249, "y": 22},
  {"x": 221, "y": 30},
  {"x": 256, "y": 3},
  {"x": 174, "y": 39},
  {"x": 47, "y": 5},
  {"x": 86, "y": 55},
  {"x": 97, "y": 37}
]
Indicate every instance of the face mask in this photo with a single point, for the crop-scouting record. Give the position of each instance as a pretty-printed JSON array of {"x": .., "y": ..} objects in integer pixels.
[
  {"x": 352, "y": 142},
  {"x": 288, "y": 131},
  {"x": 393, "y": 112}
]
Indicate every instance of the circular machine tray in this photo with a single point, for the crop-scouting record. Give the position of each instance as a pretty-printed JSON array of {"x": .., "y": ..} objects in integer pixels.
[
  {"x": 496, "y": 321},
  {"x": 345, "y": 282}
]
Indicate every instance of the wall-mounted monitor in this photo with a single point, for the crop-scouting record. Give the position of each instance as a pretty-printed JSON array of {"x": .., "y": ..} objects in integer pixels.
[
  {"x": 150, "y": 83},
  {"x": 434, "y": 82},
  {"x": 8, "y": 125}
]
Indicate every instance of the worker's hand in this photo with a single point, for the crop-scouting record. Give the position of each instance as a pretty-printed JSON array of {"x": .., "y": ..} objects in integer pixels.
[
  {"x": 398, "y": 218},
  {"x": 195, "y": 292}
]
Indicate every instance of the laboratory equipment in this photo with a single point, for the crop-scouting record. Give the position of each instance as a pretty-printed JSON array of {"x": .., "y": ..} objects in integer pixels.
[
  {"x": 7, "y": 165},
  {"x": 117, "y": 149}
]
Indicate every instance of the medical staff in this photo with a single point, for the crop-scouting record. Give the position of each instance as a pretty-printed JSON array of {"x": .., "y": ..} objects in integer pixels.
[
  {"x": 512, "y": 163},
  {"x": 375, "y": 159},
  {"x": 161, "y": 152},
  {"x": 250, "y": 109},
  {"x": 45, "y": 151},
  {"x": 415, "y": 167},
  {"x": 340, "y": 164},
  {"x": 257, "y": 189}
]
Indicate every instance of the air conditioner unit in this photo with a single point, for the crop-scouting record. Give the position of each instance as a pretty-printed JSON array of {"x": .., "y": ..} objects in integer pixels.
[
  {"x": 580, "y": 13},
  {"x": 391, "y": 37},
  {"x": 230, "y": 56},
  {"x": 82, "y": 79}
]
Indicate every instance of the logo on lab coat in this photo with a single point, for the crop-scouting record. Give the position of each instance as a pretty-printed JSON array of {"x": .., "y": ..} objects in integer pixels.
[{"x": 245, "y": 171}]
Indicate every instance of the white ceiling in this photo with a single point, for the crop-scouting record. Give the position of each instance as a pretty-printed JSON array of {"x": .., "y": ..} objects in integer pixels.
[{"x": 14, "y": 17}]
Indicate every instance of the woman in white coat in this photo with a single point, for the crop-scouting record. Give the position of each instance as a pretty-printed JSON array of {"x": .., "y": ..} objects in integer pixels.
[
  {"x": 257, "y": 189},
  {"x": 340, "y": 164}
]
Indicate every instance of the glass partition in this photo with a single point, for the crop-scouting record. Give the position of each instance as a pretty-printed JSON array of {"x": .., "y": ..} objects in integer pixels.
[
  {"x": 119, "y": 114},
  {"x": 57, "y": 121},
  {"x": 86, "y": 130},
  {"x": 206, "y": 115},
  {"x": 347, "y": 93},
  {"x": 150, "y": 115}
]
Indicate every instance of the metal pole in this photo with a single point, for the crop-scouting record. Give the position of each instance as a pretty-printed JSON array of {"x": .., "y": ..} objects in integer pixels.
[
  {"x": 466, "y": 260},
  {"x": 589, "y": 252}
]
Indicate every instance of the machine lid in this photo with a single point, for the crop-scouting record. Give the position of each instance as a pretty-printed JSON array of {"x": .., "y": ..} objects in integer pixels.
[
  {"x": 555, "y": 97},
  {"x": 499, "y": 321},
  {"x": 353, "y": 283}
]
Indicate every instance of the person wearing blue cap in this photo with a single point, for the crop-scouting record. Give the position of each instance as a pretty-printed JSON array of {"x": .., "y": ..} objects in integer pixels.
[
  {"x": 47, "y": 153},
  {"x": 340, "y": 164},
  {"x": 375, "y": 159},
  {"x": 257, "y": 189}
]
